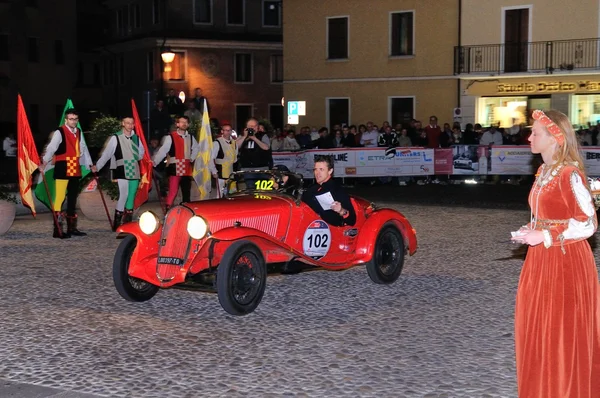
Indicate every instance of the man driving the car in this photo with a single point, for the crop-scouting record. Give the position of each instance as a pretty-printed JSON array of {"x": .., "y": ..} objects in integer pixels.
[{"x": 326, "y": 198}]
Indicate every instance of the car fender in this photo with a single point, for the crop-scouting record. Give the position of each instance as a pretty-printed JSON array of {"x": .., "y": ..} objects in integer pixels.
[
  {"x": 143, "y": 259},
  {"x": 365, "y": 244}
]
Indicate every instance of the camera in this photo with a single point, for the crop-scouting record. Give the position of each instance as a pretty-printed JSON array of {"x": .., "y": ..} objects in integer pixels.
[{"x": 250, "y": 132}]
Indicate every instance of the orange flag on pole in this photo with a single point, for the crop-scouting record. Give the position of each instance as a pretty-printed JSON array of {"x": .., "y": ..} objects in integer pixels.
[
  {"x": 27, "y": 156},
  {"x": 141, "y": 196}
]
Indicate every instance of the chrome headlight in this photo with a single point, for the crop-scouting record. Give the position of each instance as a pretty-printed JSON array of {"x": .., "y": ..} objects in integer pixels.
[
  {"x": 149, "y": 222},
  {"x": 197, "y": 227}
]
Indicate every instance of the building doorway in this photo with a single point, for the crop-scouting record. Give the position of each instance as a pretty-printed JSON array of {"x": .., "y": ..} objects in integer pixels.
[{"x": 516, "y": 39}]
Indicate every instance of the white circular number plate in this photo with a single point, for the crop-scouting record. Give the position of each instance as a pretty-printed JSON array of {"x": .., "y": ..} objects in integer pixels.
[{"x": 317, "y": 239}]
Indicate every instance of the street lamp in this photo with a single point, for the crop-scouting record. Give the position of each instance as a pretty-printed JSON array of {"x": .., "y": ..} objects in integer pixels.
[{"x": 167, "y": 55}]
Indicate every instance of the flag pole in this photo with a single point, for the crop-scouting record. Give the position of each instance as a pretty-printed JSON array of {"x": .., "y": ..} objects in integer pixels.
[
  {"x": 218, "y": 188},
  {"x": 58, "y": 228},
  {"x": 103, "y": 201},
  {"x": 160, "y": 198}
]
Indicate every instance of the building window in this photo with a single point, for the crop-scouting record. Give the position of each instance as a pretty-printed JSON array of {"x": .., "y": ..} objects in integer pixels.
[
  {"x": 276, "y": 115},
  {"x": 150, "y": 66},
  {"x": 109, "y": 72},
  {"x": 134, "y": 14},
  {"x": 33, "y": 50},
  {"x": 402, "y": 33},
  {"x": 123, "y": 27},
  {"x": 236, "y": 10},
  {"x": 96, "y": 74},
  {"x": 34, "y": 117},
  {"x": 402, "y": 110},
  {"x": 176, "y": 70},
  {"x": 80, "y": 74},
  {"x": 501, "y": 111},
  {"x": 203, "y": 11},
  {"x": 59, "y": 52},
  {"x": 4, "y": 48},
  {"x": 271, "y": 13},
  {"x": 243, "y": 68},
  {"x": 337, "y": 38},
  {"x": 58, "y": 111},
  {"x": 243, "y": 112},
  {"x": 156, "y": 11},
  {"x": 277, "y": 68},
  {"x": 585, "y": 108},
  {"x": 121, "y": 70},
  {"x": 338, "y": 111}
]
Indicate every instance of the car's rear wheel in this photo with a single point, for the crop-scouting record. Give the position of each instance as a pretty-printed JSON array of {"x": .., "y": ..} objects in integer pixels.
[
  {"x": 241, "y": 278},
  {"x": 130, "y": 288},
  {"x": 388, "y": 258}
]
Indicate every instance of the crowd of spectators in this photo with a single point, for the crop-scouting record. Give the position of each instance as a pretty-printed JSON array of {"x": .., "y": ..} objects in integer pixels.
[{"x": 413, "y": 133}]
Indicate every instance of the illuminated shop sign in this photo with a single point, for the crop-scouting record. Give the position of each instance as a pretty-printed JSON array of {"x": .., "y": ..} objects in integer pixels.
[{"x": 549, "y": 87}]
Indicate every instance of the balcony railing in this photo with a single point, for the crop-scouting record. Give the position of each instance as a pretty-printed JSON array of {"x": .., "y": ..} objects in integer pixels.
[{"x": 541, "y": 56}]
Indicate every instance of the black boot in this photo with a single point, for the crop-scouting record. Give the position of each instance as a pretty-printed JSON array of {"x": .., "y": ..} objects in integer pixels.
[
  {"x": 128, "y": 216},
  {"x": 72, "y": 226},
  {"x": 59, "y": 231},
  {"x": 117, "y": 220}
]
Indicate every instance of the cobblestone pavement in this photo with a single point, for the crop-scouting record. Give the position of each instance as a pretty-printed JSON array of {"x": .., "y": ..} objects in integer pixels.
[{"x": 445, "y": 329}]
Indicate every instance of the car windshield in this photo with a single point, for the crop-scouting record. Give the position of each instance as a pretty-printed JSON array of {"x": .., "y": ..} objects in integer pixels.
[{"x": 264, "y": 181}]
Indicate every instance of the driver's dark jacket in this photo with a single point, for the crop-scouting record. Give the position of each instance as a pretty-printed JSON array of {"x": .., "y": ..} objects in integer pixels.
[{"x": 338, "y": 193}]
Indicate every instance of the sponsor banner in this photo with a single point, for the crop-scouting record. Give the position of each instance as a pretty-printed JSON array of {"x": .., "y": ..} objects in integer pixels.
[
  {"x": 443, "y": 161},
  {"x": 458, "y": 160},
  {"x": 511, "y": 159},
  {"x": 465, "y": 159},
  {"x": 591, "y": 159}
]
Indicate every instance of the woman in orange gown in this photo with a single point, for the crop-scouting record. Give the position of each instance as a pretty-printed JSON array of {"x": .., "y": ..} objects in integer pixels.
[{"x": 557, "y": 315}]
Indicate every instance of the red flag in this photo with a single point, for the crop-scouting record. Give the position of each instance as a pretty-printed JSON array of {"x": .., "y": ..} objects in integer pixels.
[
  {"x": 28, "y": 157},
  {"x": 141, "y": 196}
]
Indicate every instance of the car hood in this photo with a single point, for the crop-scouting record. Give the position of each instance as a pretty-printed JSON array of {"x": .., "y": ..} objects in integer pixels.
[{"x": 264, "y": 212}]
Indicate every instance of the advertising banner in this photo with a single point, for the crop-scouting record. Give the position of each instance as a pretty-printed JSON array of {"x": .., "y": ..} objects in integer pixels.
[
  {"x": 443, "y": 160},
  {"x": 512, "y": 160},
  {"x": 457, "y": 160},
  {"x": 591, "y": 159}
]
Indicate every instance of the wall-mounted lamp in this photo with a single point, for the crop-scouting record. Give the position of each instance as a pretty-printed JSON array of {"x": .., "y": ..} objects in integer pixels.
[
  {"x": 182, "y": 96},
  {"x": 167, "y": 56}
]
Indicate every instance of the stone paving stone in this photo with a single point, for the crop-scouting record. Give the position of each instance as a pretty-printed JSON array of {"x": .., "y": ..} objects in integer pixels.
[{"x": 444, "y": 329}]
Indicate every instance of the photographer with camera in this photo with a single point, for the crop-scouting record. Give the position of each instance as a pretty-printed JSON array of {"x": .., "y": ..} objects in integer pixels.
[{"x": 254, "y": 147}]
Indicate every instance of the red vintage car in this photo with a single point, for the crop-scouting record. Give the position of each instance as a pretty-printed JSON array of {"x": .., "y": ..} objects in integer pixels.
[{"x": 260, "y": 226}]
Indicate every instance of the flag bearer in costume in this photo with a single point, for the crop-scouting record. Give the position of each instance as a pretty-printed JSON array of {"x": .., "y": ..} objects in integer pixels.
[
  {"x": 68, "y": 151},
  {"x": 180, "y": 148},
  {"x": 124, "y": 150},
  {"x": 225, "y": 154}
]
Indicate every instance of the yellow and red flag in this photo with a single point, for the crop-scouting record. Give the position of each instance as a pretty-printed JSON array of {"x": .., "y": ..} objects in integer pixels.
[
  {"x": 141, "y": 196},
  {"x": 201, "y": 173},
  {"x": 28, "y": 158}
]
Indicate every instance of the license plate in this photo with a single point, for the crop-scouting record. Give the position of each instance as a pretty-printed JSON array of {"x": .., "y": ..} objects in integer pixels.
[{"x": 170, "y": 260}]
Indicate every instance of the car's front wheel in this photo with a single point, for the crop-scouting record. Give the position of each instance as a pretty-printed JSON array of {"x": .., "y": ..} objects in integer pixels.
[
  {"x": 388, "y": 258},
  {"x": 241, "y": 278},
  {"x": 130, "y": 288}
]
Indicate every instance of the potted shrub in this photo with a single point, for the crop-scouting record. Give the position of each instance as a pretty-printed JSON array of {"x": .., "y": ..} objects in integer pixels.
[
  {"x": 90, "y": 201},
  {"x": 8, "y": 209}
]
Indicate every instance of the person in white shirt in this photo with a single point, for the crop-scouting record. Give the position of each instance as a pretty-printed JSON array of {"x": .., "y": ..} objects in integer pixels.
[
  {"x": 124, "y": 150},
  {"x": 181, "y": 149},
  {"x": 68, "y": 152},
  {"x": 491, "y": 137},
  {"x": 192, "y": 112},
  {"x": 369, "y": 138},
  {"x": 290, "y": 143},
  {"x": 9, "y": 145},
  {"x": 225, "y": 155}
]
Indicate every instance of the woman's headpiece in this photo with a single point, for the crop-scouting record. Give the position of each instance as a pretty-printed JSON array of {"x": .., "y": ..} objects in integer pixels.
[{"x": 550, "y": 126}]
